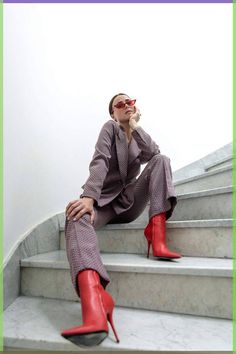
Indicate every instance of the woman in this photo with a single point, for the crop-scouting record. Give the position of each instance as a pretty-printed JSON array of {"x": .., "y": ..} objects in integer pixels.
[{"x": 114, "y": 194}]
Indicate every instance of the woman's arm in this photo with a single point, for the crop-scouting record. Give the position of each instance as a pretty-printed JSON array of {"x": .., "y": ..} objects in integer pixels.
[{"x": 148, "y": 147}]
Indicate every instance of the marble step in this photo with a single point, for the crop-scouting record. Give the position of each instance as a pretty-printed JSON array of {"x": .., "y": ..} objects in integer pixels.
[
  {"x": 196, "y": 286},
  {"x": 220, "y": 177},
  {"x": 208, "y": 204},
  {"x": 223, "y": 162},
  {"x": 195, "y": 238},
  {"x": 204, "y": 205},
  {"x": 36, "y": 324}
]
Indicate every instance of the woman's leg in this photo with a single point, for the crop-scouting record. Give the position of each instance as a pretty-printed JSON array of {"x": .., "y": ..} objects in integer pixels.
[
  {"x": 154, "y": 184},
  {"x": 82, "y": 245},
  {"x": 89, "y": 278}
]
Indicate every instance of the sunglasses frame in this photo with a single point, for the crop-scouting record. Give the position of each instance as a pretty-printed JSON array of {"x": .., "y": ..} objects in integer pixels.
[{"x": 124, "y": 103}]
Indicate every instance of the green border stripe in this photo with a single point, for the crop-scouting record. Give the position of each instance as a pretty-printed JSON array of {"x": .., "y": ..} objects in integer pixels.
[
  {"x": 1, "y": 178},
  {"x": 234, "y": 176}
]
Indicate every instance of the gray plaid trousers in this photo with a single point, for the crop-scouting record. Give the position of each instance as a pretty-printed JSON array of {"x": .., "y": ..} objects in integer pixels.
[{"x": 82, "y": 248}]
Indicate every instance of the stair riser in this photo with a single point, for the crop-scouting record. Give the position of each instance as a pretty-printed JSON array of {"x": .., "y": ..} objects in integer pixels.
[
  {"x": 194, "y": 242},
  {"x": 196, "y": 295},
  {"x": 222, "y": 179},
  {"x": 217, "y": 206}
]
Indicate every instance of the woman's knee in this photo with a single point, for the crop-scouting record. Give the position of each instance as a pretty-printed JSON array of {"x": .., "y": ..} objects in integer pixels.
[
  {"x": 71, "y": 225},
  {"x": 160, "y": 158}
]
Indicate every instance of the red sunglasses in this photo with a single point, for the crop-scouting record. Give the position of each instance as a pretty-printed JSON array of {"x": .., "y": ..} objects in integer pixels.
[{"x": 122, "y": 104}]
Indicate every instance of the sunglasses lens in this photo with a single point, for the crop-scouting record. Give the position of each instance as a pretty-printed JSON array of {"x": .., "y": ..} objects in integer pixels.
[
  {"x": 120, "y": 105},
  {"x": 130, "y": 102}
]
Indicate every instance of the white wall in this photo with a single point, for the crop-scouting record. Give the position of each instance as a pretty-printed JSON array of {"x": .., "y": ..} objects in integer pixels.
[{"x": 63, "y": 63}]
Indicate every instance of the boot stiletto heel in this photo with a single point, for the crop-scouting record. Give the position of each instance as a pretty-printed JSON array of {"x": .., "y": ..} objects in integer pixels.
[
  {"x": 149, "y": 245},
  {"x": 147, "y": 234},
  {"x": 110, "y": 319}
]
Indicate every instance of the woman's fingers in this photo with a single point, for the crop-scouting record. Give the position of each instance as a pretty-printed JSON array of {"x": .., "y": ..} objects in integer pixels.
[
  {"x": 83, "y": 211},
  {"x": 75, "y": 211},
  {"x": 136, "y": 115},
  {"x": 69, "y": 205},
  {"x": 77, "y": 208},
  {"x": 92, "y": 216},
  {"x": 79, "y": 214}
]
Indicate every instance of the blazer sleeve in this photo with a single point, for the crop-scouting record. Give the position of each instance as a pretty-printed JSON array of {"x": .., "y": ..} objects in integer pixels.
[
  {"x": 148, "y": 147},
  {"x": 99, "y": 165}
]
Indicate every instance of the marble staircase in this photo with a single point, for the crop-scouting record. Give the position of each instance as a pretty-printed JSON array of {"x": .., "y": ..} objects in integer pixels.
[{"x": 183, "y": 305}]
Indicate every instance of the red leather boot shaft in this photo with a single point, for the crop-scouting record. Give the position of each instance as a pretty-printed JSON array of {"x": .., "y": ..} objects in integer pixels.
[{"x": 155, "y": 233}]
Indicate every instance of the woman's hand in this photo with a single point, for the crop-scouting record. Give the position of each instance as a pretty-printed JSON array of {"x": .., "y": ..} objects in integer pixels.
[
  {"x": 134, "y": 118},
  {"x": 77, "y": 208}
]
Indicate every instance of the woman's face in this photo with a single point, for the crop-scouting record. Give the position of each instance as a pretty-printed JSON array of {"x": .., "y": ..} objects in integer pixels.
[{"x": 122, "y": 115}]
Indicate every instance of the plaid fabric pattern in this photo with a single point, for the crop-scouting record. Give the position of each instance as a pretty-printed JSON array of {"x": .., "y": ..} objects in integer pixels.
[{"x": 120, "y": 196}]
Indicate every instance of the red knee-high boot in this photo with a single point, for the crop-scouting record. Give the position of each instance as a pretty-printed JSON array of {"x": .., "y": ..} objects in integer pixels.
[
  {"x": 97, "y": 307},
  {"x": 155, "y": 233}
]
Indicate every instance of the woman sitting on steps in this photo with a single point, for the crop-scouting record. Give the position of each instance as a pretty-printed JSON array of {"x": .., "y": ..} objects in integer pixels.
[{"x": 114, "y": 194}]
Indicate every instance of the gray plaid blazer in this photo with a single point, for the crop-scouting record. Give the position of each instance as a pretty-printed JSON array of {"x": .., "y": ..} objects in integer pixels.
[{"x": 116, "y": 164}]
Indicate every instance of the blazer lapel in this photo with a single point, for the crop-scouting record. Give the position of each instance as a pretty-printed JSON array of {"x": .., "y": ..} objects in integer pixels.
[
  {"x": 134, "y": 150},
  {"x": 122, "y": 153}
]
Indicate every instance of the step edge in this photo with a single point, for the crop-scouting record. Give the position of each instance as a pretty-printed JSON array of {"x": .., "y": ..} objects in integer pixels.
[
  {"x": 206, "y": 192},
  {"x": 218, "y": 162},
  {"x": 225, "y": 271},
  {"x": 203, "y": 175},
  {"x": 169, "y": 224}
]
